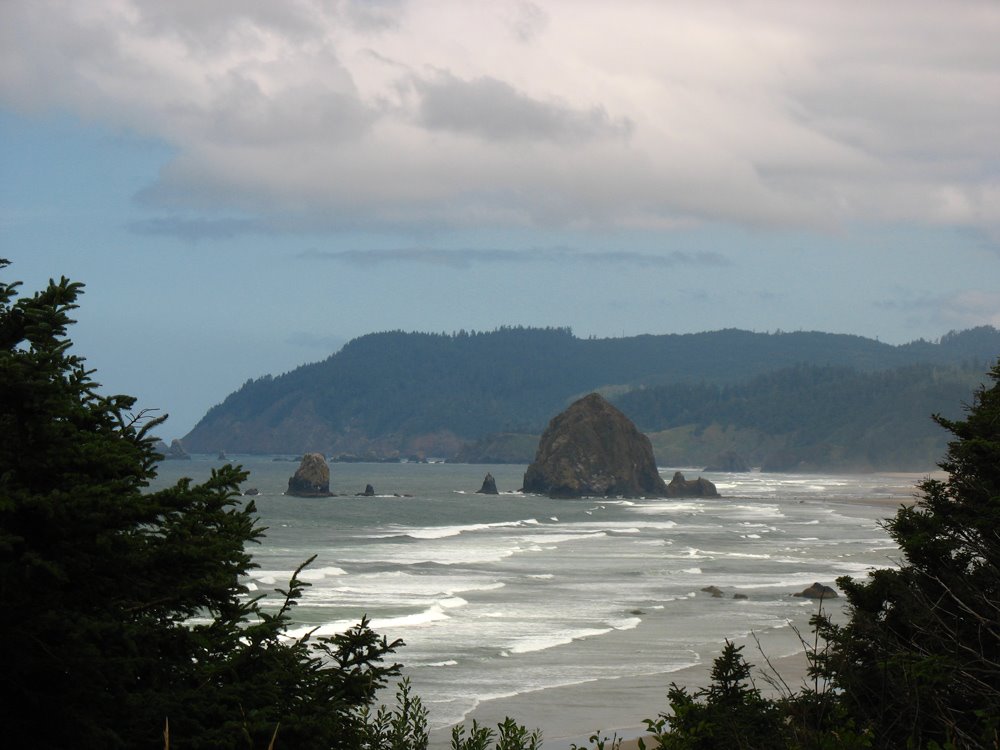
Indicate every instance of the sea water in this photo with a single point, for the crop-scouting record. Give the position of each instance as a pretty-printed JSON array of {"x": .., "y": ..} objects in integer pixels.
[{"x": 496, "y": 596}]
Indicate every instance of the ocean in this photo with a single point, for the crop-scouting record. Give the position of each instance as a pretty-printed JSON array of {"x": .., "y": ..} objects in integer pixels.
[{"x": 503, "y": 596}]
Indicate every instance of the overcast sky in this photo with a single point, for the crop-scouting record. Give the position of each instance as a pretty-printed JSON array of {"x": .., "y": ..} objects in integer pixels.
[{"x": 244, "y": 185}]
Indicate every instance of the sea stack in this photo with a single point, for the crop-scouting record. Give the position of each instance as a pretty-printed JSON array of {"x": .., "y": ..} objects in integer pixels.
[
  {"x": 312, "y": 478},
  {"x": 593, "y": 450},
  {"x": 681, "y": 487},
  {"x": 489, "y": 486}
]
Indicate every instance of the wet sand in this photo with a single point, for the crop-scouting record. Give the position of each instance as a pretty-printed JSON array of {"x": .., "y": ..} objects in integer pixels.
[{"x": 573, "y": 713}]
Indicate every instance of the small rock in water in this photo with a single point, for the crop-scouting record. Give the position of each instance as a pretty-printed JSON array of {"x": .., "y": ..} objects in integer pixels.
[
  {"x": 817, "y": 591},
  {"x": 489, "y": 486}
]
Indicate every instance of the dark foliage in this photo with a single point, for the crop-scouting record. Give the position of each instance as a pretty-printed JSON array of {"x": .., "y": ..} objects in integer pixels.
[
  {"x": 919, "y": 660},
  {"x": 124, "y": 611},
  {"x": 730, "y": 713}
]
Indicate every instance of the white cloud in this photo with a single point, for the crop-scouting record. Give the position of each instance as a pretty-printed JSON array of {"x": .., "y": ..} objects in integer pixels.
[{"x": 322, "y": 113}]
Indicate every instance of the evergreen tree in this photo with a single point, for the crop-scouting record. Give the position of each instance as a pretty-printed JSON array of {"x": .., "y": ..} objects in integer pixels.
[
  {"x": 124, "y": 614},
  {"x": 919, "y": 660},
  {"x": 730, "y": 713}
]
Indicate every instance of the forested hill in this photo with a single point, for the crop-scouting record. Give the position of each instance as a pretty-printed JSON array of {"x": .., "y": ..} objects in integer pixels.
[{"x": 427, "y": 394}]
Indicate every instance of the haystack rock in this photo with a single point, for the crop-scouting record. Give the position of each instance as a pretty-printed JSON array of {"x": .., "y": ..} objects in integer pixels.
[
  {"x": 489, "y": 486},
  {"x": 681, "y": 487},
  {"x": 312, "y": 478},
  {"x": 592, "y": 449}
]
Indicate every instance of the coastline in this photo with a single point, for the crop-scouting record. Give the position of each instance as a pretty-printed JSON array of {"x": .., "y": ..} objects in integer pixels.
[
  {"x": 571, "y": 714},
  {"x": 618, "y": 707}
]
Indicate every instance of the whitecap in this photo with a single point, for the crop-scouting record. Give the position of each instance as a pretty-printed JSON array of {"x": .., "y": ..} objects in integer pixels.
[
  {"x": 318, "y": 574},
  {"x": 628, "y": 623},
  {"x": 441, "y": 532},
  {"x": 541, "y": 642},
  {"x": 746, "y": 555}
]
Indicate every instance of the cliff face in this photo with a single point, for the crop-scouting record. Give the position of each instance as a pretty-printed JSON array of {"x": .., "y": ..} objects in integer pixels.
[{"x": 592, "y": 449}]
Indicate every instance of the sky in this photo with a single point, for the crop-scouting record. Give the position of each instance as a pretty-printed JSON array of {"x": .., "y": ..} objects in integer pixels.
[{"x": 245, "y": 185}]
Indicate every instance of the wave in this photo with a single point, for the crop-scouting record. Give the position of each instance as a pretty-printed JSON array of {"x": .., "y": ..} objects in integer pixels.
[
  {"x": 272, "y": 577},
  {"x": 626, "y": 623},
  {"x": 318, "y": 574},
  {"x": 434, "y": 613},
  {"x": 443, "y": 532},
  {"x": 542, "y": 642}
]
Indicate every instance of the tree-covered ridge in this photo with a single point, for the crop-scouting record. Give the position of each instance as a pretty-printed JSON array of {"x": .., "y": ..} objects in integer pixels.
[
  {"x": 809, "y": 417},
  {"x": 397, "y": 391}
]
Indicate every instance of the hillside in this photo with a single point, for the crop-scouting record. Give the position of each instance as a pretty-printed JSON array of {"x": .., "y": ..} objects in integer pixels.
[
  {"x": 807, "y": 418},
  {"x": 429, "y": 394}
]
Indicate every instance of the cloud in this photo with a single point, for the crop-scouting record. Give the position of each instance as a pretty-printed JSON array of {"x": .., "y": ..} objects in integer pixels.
[
  {"x": 495, "y": 110},
  {"x": 527, "y": 21},
  {"x": 467, "y": 257},
  {"x": 960, "y": 309},
  {"x": 550, "y": 114}
]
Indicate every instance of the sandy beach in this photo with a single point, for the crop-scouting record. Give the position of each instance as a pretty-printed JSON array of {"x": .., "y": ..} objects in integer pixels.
[{"x": 618, "y": 707}]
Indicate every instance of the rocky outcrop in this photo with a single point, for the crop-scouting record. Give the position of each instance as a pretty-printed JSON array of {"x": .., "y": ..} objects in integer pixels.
[
  {"x": 369, "y": 492},
  {"x": 489, "y": 486},
  {"x": 817, "y": 591},
  {"x": 729, "y": 461},
  {"x": 175, "y": 452},
  {"x": 681, "y": 487},
  {"x": 592, "y": 449},
  {"x": 312, "y": 478},
  {"x": 718, "y": 593}
]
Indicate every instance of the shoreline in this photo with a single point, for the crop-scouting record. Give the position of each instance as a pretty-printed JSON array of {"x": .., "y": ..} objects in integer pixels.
[{"x": 571, "y": 714}]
